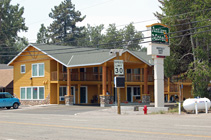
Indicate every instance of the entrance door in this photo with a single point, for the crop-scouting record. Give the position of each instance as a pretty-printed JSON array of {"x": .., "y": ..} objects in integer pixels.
[
  {"x": 83, "y": 94},
  {"x": 129, "y": 93}
]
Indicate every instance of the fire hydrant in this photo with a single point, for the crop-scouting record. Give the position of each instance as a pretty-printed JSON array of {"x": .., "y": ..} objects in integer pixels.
[{"x": 145, "y": 110}]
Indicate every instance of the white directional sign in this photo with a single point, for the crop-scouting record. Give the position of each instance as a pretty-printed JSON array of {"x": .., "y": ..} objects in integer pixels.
[{"x": 118, "y": 67}]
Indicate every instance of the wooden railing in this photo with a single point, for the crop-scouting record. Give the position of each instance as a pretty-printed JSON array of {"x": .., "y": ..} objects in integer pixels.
[
  {"x": 138, "y": 78},
  {"x": 84, "y": 76},
  {"x": 180, "y": 79},
  {"x": 134, "y": 78}
]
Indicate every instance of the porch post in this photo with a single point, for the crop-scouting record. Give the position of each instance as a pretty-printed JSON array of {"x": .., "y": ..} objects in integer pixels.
[
  {"x": 146, "y": 96},
  {"x": 98, "y": 92},
  {"x": 57, "y": 71},
  {"x": 104, "y": 81},
  {"x": 109, "y": 81},
  {"x": 68, "y": 97},
  {"x": 79, "y": 93},
  {"x": 104, "y": 99},
  {"x": 58, "y": 85},
  {"x": 168, "y": 89}
]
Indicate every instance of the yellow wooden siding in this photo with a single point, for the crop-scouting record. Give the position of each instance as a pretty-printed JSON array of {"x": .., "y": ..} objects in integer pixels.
[
  {"x": 26, "y": 79},
  {"x": 92, "y": 90},
  {"x": 187, "y": 92},
  {"x": 53, "y": 94}
]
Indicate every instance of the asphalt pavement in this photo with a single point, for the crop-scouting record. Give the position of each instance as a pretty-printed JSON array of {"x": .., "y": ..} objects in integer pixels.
[{"x": 94, "y": 123}]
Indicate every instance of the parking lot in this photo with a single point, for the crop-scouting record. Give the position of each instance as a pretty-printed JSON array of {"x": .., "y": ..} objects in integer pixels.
[
  {"x": 52, "y": 109},
  {"x": 55, "y": 122}
]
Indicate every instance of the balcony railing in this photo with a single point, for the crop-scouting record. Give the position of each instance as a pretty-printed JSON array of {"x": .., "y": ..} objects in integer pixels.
[
  {"x": 138, "y": 78},
  {"x": 134, "y": 77},
  {"x": 173, "y": 87},
  {"x": 91, "y": 76},
  {"x": 84, "y": 76},
  {"x": 180, "y": 79}
]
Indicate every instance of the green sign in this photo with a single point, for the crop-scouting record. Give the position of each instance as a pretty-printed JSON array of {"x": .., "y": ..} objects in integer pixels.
[{"x": 159, "y": 34}]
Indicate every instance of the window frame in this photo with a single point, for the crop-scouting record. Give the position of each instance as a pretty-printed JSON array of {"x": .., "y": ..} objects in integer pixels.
[
  {"x": 63, "y": 96},
  {"x": 32, "y": 87},
  {"x": 24, "y": 68},
  {"x": 38, "y": 72}
]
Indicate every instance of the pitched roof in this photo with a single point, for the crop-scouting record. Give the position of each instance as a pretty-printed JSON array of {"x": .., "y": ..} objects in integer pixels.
[
  {"x": 78, "y": 56},
  {"x": 4, "y": 66},
  {"x": 6, "y": 77}
]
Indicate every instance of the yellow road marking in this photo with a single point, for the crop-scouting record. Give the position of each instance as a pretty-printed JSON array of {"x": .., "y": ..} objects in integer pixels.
[{"x": 104, "y": 129}]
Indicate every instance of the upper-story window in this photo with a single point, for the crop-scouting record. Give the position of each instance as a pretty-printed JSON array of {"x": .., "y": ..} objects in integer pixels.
[
  {"x": 23, "y": 68},
  {"x": 64, "y": 69},
  {"x": 38, "y": 70},
  {"x": 95, "y": 69}
]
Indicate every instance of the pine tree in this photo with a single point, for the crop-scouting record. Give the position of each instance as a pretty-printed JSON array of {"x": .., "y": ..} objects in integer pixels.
[
  {"x": 42, "y": 36},
  {"x": 63, "y": 29},
  {"x": 11, "y": 22},
  {"x": 190, "y": 41}
]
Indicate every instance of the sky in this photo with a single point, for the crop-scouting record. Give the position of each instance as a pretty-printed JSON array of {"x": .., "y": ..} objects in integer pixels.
[{"x": 120, "y": 12}]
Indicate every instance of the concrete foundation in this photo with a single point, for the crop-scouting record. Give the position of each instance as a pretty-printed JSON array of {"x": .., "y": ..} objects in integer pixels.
[
  {"x": 69, "y": 100},
  {"x": 106, "y": 101}
]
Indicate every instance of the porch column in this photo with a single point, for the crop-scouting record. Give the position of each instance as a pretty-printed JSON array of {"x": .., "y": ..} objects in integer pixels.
[
  {"x": 79, "y": 93},
  {"x": 98, "y": 92},
  {"x": 69, "y": 97},
  {"x": 146, "y": 80},
  {"x": 109, "y": 81},
  {"x": 104, "y": 99},
  {"x": 168, "y": 89},
  {"x": 104, "y": 81},
  {"x": 98, "y": 74},
  {"x": 58, "y": 85},
  {"x": 79, "y": 74},
  {"x": 146, "y": 96},
  {"x": 57, "y": 71}
]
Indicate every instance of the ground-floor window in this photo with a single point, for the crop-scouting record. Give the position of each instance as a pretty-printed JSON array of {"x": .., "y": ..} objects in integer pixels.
[
  {"x": 32, "y": 93},
  {"x": 133, "y": 93},
  {"x": 63, "y": 92}
]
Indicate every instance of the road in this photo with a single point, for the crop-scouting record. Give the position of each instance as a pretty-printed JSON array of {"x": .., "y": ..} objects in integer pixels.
[{"x": 93, "y": 123}]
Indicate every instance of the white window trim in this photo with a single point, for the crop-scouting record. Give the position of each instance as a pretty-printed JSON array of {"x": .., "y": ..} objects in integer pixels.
[
  {"x": 66, "y": 92},
  {"x": 37, "y": 70},
  {"x": 63, "y": 93},
  {"x": 32, "y": 92},
  {"x": 24, "y": 69},
  {"x": 132, "y": 92}
]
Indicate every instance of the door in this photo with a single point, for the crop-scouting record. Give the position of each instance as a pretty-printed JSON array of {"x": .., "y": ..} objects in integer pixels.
[
  {"x": 129, "y": 94},
  {"x": 83, "y": 95}
]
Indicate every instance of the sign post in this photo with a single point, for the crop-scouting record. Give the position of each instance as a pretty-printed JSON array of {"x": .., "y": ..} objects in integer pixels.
[
  {"x": 118, "y": 70},
  {"x": 158, "y": 48}
]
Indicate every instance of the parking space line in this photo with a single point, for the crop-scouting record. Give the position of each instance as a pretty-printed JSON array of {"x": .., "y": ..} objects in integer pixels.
[{"x": 105, "y": 129}]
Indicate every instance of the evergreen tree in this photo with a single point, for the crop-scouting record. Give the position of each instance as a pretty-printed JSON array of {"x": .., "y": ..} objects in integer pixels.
[
  {"x": 63, "y": 29},
  {"x": 93, "y": 35},
  {"x": 11, "y": 22},
  {"x": 42, "y": 36},
  {"x": 189, "y": 53}
]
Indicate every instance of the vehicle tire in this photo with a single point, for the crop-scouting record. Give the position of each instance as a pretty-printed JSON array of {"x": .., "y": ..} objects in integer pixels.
[
  {"x": 8, "y": 107},
  {"x": 15, "y": 106}
]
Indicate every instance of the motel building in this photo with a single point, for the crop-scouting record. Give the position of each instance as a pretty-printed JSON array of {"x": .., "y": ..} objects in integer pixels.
[{"x": 53, "y": 74}]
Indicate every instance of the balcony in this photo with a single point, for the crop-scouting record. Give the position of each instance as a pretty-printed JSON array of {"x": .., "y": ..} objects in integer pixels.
[
  {"x": 84, "y": 76},
  {"x": 91, "y": 76},
  {"x": 180, "y": 79},
  {"x": 138, "y": 78}
]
